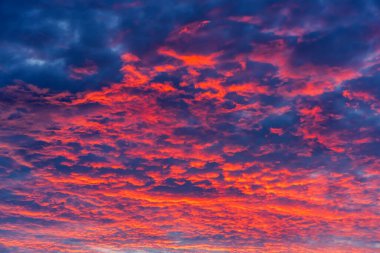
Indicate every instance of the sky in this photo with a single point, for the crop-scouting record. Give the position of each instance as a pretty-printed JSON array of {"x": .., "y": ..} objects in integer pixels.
[{"x": 189, "y": 126}]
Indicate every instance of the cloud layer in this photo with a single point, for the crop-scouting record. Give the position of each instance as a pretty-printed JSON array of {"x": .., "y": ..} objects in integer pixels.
[{"x": 189, "y": 126}]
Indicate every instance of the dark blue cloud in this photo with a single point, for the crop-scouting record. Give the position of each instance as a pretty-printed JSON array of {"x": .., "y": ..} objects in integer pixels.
[
  {"x": 184, "y": 187},
  {"x": 341, "y": 47},
  {"x": 43, "y": 40}
]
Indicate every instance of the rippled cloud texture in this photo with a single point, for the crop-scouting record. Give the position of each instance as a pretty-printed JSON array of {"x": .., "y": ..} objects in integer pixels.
[{"x": 189, "y": 126}]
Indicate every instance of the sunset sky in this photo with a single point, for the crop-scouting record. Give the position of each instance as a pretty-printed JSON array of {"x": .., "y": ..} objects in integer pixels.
[{"x": 189, "y": 126}]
